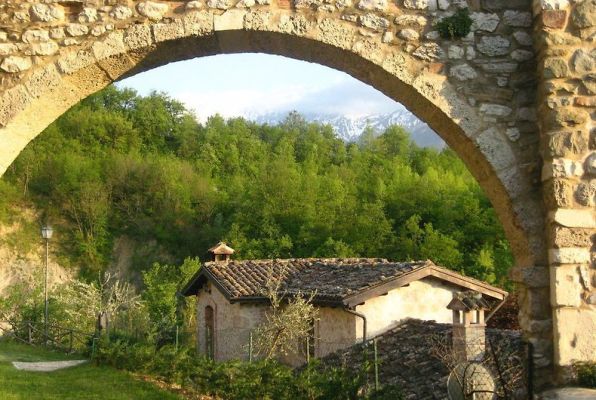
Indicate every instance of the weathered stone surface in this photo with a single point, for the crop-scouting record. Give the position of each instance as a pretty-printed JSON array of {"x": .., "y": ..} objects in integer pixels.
[
  {"x": 565, "y": 278},
  {"x": 88, "y": 15},
  {"x": 370, "y": 5},
  {"x": 46, "y": 13},
  {"x": 494, "y": 45},
  {"x": 590, "y": 165},
  {"x": 583, "y": 62},
  {"x": 577, "y": 255},
  {"x": 171, "y": 31},
  {"x": 562, "y": 168},
  {"x": 416, "y": 4},
  {"x": 121, "y": 12},
  {"x": 463, "y": 72},
  {"x": 409, "y": 34},
  {"x": 429, "y": 52},
  {"x": 35, "y": 36},
  {"x": 495, "y": 109},
  {"x": 199, "y": 23},
  {"x": 77, "y": 29},
  {"x": 517, "y": 18},
  {"x": 374, "y": 22},
  {"x": 554, "y": 4},
  {"x": 152, "y": 10},
  {"x": 575, "y": 334},
  {"x": 455, "y": 52},
  {"x": 585, "y": 194},
  {"x": 523, "y": 38},
  {"x": 487, "y": 22},
  {"x": 194, "y": 5},
  {"x": 7, "y": 49},
  {"x": 44, "y": 49},
  {"x": 492, "y": 144},
  {"x": 14, "y": 64},
  {"x": 522, "y": 55},
  {"x": 584, "y": 15},
  {"x": 566, "y": 144},
  {"x": 567, "y": 237},
  {"x": 571, "y": 218},
  {"x": 408, "y": 19},
  {"x": 555, "y": 19}
]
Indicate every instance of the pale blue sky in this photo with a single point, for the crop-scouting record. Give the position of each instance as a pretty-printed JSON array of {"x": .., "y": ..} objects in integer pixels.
[{"x": 249, "y": 84}]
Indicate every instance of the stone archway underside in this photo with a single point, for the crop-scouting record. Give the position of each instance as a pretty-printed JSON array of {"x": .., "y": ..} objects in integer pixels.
[{"x": 479, "y": 93}]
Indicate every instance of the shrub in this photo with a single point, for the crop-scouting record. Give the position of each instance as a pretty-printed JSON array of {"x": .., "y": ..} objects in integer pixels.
[
  {"x": 456, "y": 26},
  {"x": 586, "y": 374}
]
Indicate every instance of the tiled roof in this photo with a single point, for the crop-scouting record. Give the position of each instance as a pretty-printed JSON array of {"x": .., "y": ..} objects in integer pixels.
[
  {"x": 338, "y": 281},
  {"x": 329, "y": 279},
  {"x": 407, "y": 359}
]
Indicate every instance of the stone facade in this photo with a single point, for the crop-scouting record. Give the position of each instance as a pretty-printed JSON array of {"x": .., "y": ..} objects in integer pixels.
[
  {"x": 336, "y": 329},
  {"x": 515, "y": 99}
]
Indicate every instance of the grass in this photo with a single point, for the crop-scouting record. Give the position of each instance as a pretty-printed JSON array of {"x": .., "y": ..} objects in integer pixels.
[{"x": 85, "y": 382}]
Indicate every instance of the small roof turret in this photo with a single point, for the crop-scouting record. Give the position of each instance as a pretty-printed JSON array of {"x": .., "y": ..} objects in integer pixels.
[{"x": 221, "y": 248}]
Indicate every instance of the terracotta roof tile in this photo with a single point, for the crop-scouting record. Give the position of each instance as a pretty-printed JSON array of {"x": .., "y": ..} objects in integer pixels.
[{"x": 330, "y": 279}]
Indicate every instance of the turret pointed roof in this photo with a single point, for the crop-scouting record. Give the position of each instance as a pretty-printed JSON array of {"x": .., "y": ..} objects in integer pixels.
[{"x": 221, "y": 248}]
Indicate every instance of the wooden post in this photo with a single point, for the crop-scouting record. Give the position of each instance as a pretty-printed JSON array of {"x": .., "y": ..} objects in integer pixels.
[
  {"x": 70, "y": 339},
  {"x": 30, "y": 333},
  {"x": 176, "y": 337},
  {"x": 250, "y": 348},
  {"x": 376, "y": 365},
  {"x": 307, "y": 349}
]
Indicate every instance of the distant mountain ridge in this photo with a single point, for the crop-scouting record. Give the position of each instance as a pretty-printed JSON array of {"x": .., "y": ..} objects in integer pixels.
[{"x": 350, "y": 128}]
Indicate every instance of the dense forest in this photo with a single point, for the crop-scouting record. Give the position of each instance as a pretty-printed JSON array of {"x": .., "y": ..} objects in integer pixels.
[{"x": 120, "y": 164}]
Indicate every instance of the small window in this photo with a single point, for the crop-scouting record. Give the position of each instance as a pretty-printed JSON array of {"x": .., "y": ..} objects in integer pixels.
[{"x": 209, "y": 332}]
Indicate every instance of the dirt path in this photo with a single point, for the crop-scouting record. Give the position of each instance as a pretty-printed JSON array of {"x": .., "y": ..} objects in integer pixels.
[{"x": 46, "y": 366}]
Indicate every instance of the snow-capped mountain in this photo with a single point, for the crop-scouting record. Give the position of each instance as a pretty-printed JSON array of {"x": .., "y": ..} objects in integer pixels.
[{"x": 350, "y": 128}]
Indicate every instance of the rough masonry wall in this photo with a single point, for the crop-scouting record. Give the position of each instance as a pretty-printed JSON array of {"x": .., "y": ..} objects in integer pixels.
[
  {"x": 233, "y": 324},
  {"x": 565, "y": 33}
]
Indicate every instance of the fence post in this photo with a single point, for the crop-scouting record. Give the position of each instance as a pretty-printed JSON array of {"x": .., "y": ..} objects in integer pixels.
[
  {"x": 29, "y": 332},
  {"x": 376, "y": 364},
  {"x": 250, "y": 348},
  {"x": 176, "y": 337},
  {"x": 70, "y": 339},
  {"x": 307, "y": 349},
  {"x": 530, "y": 370}
]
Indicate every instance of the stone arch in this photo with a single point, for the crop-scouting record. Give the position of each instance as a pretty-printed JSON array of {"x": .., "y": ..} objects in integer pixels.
[{"x": 476, "y": 133}]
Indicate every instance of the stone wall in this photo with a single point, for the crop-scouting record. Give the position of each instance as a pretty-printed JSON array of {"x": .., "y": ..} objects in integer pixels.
[{"x": 565, "y": 34}]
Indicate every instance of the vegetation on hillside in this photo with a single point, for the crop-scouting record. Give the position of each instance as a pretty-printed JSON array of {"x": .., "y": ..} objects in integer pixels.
[{"x": 122, "y": 164}]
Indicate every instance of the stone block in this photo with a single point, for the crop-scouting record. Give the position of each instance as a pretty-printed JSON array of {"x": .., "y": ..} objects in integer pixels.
[
  {"x": 572, "y": 237},
  {"x": 566, "y": 288},
  {"x": 584, "y": 15},
  {"x": 558, "y": 193},
  {"x": 567, "y": 144},
  {"x": 572, "y": 218},
  {"x": 75, "y": 61},
  {"x": 12, "y": 101},
  {"x": 198, "y": 23},
  {"x": 569, "y": 255},
  {"x": 555, "y": 19},
  {"x": 43, "y": 80},
  {"x": 555, "y": 68},
  {"x": 574, "y": 335},
  {"x": 113, "y": 44},
  {"x": 171, "y": 31},
  {"x": 230, "y": 20},
  {"x": 137, "y": 37},
  {"x": 495, "y": 147},
  {"x": 561, "y": 168}
]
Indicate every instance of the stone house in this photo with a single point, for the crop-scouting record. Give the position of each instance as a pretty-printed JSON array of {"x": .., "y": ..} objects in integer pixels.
[{"x": 357, "y": 298}]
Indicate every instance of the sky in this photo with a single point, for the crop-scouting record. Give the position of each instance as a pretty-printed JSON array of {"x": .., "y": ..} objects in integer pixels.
[{"x": 254, "y": 84}]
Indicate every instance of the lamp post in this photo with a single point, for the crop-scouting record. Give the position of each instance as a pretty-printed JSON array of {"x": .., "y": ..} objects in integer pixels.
[{"x": 46, "y": 233}]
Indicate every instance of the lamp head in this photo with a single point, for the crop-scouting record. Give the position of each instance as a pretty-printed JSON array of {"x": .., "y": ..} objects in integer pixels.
[{"x": 47, "y": 232}]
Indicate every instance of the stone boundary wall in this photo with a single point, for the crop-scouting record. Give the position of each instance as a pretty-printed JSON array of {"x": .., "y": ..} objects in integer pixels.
[{"x": 565, "y": 36}]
